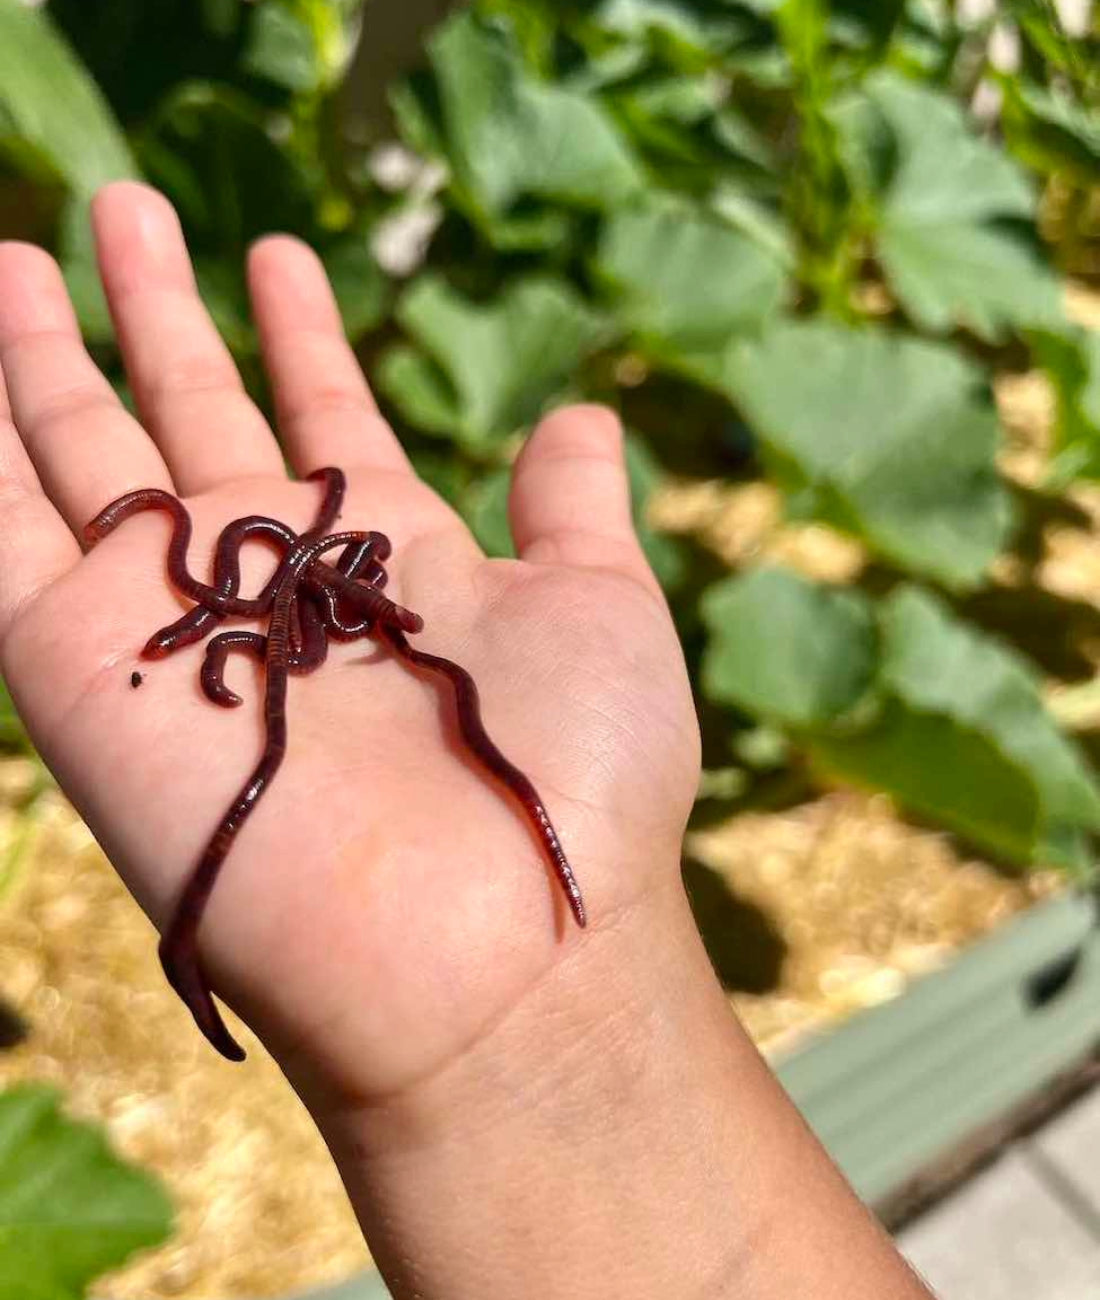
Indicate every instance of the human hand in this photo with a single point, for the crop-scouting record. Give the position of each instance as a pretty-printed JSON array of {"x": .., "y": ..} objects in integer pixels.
[{"x": 386, "y": 905}]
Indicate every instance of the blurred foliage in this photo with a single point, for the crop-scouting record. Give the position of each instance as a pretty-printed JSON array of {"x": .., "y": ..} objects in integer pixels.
[
  {"x": 70, "y": 1210},
  {"x": 775, "y": 233}
]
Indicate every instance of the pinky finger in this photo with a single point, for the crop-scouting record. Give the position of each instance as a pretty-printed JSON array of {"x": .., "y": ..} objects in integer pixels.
[{"x": 36, "y": 547}]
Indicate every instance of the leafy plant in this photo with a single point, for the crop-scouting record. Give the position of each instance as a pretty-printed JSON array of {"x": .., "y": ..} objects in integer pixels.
[
  {"x": 828, "y": 246},
  {"x": 772, "y": 231},
  {"x": 70, "y": 1210}
]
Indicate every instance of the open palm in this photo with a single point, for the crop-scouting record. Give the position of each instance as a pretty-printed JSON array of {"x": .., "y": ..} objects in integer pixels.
[{"x": 386, "y": 906}]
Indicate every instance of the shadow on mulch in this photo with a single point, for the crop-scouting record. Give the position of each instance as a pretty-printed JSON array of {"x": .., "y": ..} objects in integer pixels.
[
  {"x": 13, "y": 1028},
  {"x": 745, "y": 948}
]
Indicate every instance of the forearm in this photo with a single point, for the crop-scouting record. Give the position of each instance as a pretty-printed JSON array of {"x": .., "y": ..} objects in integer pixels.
[{"x": 616, "y": 1134}]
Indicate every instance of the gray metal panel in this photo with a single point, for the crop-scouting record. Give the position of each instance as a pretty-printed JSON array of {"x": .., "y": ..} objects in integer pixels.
[{"x": 898, "y": 1086}]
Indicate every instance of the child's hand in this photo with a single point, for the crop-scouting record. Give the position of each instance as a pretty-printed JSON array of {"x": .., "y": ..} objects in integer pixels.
[{"x": 386, "y": 904}]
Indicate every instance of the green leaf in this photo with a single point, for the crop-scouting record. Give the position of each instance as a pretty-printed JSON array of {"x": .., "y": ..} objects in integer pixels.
[
  {"x": 686, "y": 32},
  {"x": 420, "y": 390},
  {"x": 447, "y": 474},
  {"x": 12, "y": 735},
  {"x": 487, "y": 369},
  {"x": 974, "y": 275},
  {"x": 224, "y": 293},
  {"x": 787, "y": 650},
  {"x": 69, "y": 1209},
  {"x": 49, "y": 105},
  {"x": 940, "y": 197},
  {"x": 686, "y": 280},
  {"x": 358, "y": 282},
  {"x": 892, "y": 439},
  {"x": 942, "y": 771},
  {"x": 908, "y": 699},
  {"x": 77, "y": 256},
  {"x": 642, "y": 17},
  {"x": 302, "y": 45},
  {"x": 1071, "y": 359},
  {"x": 508, "y": 136},
  {"x": 213, "y": 152},
  {"x": 944, "y": 172},
  {"x": 665, "y": 554},
  {"x": 758, "y": 222},
  {"x": 937, "y": 664},
  {"x": 975, "y": 746},
  {"x": 280, "y": 48},
  {"x": 485, "y": 509},
  {"x": 1050, "y": 132}
]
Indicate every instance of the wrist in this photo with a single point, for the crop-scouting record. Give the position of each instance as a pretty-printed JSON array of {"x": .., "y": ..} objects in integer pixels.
[
  {"x": 596, "y": 1116},
  {"x": 595, "y": 1008}
]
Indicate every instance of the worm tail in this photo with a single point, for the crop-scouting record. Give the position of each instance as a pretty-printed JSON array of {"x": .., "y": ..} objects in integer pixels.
[
  {"x": 482, "y": 747},
  {"x": 186, "y": 977}
]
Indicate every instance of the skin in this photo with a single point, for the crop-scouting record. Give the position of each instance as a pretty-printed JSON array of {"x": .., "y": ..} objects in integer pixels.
[
  {"x": 517, "y": 1108},
  {"x": 302, "y": 606}
]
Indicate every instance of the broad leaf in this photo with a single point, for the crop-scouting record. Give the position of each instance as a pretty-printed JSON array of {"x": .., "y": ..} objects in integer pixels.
[
  {"x": 892, "y": 439},
  {"x": 980, "y": 276},
  {"x": 936, "y": 664},
  {"x": 485, "y": 508},
  {"x": 358, "y": 282},
  {"x": 941, "y": 770},
  {"x": 787, "y": 650},
  {"x": 69, "y": 1209},
  {"x": 507, "y": 135},
  {"x": 483, "y": 371},
  {"x": 55, "y": 121},
  {"x": 968, "y": 740},
  {"x": 211, "y": 150},
  {"x": 690, "y": 138},
  {"x": 945, "y": 172},
  {"x": 687, "y": 32},
  {"x": 302, "y": 45},
  {"x": 940, "y": 197},
  {"x": 687, "y": 281},
  {"x": 281, "y": 48},
  {"x": 51, "y": 109},
  {"x": 760, "y": 222},
  {"x": 1049, "y": 132},
  {"x": 905, "y": 698}
]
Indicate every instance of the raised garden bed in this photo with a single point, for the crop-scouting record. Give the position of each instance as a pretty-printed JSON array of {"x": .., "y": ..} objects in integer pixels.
[{"x": 848, "y": 906}]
